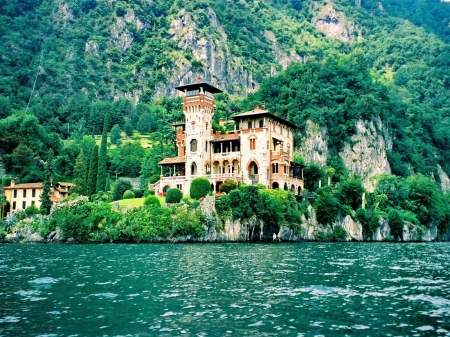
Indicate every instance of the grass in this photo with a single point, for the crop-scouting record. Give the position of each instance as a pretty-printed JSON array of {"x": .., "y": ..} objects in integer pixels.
[
  {"x": 137, "y": 202},
  {"x": 141, "y": 138}
]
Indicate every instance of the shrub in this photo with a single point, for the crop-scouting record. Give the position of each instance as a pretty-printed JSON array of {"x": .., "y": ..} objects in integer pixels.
[
  {"x": 339, "y": 233},
  {"x": 119, "y": 189},
  {"x": 350, "y": 193},
  {"x": 223, "y": 208},
  {"x": 31, "y": 210},
  {"x": 200, "y": 187},
  {"x": 149, "y": 192},
  {"x": 151, "y": 200},
  {"x": 227, "y": 186},
  {"x": 396, "y": 223},
  {"x": 128, "y": 194},
  {"x": 327, "y": 208},
  {"x": 138, "y": 193},
  {"x": 173, "y": 196}
]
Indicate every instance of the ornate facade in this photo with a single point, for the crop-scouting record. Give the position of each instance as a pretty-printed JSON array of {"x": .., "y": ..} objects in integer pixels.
[{"x": 257, "y": 148}]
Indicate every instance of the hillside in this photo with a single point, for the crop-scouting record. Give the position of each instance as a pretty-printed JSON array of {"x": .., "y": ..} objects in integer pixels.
[{"x": 352, "y": 60}]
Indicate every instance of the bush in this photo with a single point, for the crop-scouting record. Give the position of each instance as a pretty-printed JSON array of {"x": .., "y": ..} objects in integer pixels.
[
  {"x": 121, "y": 186},
  {"x": 327, "y": 208},
  {"x": 396, "y": 223},
  {"x": 31, "y": 210},
  {"x": 173, "y": 196},
  {"x": 128, "y": 194},
  {"x": 151, "y": 200},
  {"x": 149, "y": 192},
  {"x": 200, "y": 187},
  {"x": 339, "y": 233},
  {"x": 138, "y": 193},
  {"x": 227, "y": 186}
]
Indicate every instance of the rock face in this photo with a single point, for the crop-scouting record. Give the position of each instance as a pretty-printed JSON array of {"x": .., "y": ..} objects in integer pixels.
[
  {"x": 313, "y": 147},
  {"x": 366, "y": 155},
  {"x": 443, "y": 177},
  {"x": 335, "y": 24}
]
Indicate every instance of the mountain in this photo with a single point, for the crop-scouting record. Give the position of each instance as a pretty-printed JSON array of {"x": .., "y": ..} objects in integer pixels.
[{"x": 77, "y": 59}]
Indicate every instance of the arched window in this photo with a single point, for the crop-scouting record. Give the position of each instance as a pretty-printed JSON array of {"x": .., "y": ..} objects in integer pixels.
[
  {"x": 193, "y": 145},
  {"x": 275, "y": 168},
  {"x": 194, "y": 169},
  {"x": 252, "y": 144}
]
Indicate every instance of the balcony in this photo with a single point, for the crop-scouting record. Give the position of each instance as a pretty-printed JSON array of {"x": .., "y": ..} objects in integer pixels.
[
  {"x": 220, "y": 175},
  {"x": 173, "y": 178}
]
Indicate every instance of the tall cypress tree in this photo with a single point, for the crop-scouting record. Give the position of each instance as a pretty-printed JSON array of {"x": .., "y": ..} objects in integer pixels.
[
  {"x": 93, "y": 171},
  {"x": 46, "y": 203},
  {"x": 80, "y": 172},
  {"x": 101, "y": 176}
]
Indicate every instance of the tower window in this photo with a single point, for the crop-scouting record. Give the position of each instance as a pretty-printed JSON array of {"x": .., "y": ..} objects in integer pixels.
[
  {"x": 193, "y": 145},
  {"x": 250, "y": 125},
  {"x": 261, "y": 123},
  {"x": 193, "y": 92},
  {"x": 252, "y": 144}
]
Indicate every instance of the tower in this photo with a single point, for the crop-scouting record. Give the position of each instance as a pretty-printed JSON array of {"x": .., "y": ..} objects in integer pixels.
[{"x": 198, "y": 108}]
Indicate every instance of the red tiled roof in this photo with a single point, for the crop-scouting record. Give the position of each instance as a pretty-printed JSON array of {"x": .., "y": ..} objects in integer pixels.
[
  {"x": 174, "y": 160},
  {"x": 23, "y": 186}
]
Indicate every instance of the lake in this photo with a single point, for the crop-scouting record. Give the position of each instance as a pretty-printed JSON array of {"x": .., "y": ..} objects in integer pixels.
[{"x": 242, "y": 289}]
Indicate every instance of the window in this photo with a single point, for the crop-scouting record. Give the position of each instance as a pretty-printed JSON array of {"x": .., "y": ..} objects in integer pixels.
[
  {"x": 252, "y": 144},
  {"x": 24, "y": 204},
  {"x": 250, "y": 125},
  {"x": 281, "y": 130},
  {"x": 32, "y": 202},
  {"x": 192, "y": 92},
  {"x": 193, "y": 145},
  {"x": 24, "y": 193},
  {"x": 15, "y": 194},
  {"x": 275, "y": 168},
  {"x": 261, "y": 123},
  {"x": 180, "y": 187},
  {"x": 285, "y": 169},
  {"x": 206, "y": 146},
  {"x": 14, "y": 205},
  {"x": 33, "y": 192}
]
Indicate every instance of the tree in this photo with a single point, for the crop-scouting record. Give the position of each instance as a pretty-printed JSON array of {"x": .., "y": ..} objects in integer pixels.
[
  {"x": 330, "y": 173},
  {"x": 128, "y": 128},
  {"x": 102, "y": 158},
  {"x": 121, "y": 186},
  {"x": 173, "y": 196},
  {"x": 93, "y": 171},
  {"x": 146, "y": 124},
  {"x": 115, "y": 135},
  {"x": 313, "y": 173},
  {"x": 396, "y": 223},
  {"x": 80, "y": 175},
  {"x": 200, "y": 187},
  {"x": 46, "y": 203},
  {"x": 350, "y": 193}
]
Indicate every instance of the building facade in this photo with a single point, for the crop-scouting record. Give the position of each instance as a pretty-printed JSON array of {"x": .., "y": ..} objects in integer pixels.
[
  {"x": 255, "y": 147},
  {"x": 21, "y": 196}
]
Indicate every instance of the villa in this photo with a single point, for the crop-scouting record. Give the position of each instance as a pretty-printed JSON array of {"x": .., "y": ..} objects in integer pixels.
[{"x": 256, "y": 148}]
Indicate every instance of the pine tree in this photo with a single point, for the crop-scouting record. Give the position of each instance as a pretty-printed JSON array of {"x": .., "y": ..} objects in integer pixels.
[
  {"x": 93, "y": 171},
  {"x": 101, "y": 176},
  {"x": 46, "y": 203},
  {"x": 80, "y": 172}
]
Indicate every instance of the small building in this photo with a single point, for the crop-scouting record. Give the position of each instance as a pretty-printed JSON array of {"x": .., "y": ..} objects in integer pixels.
[
  {"x": 21, "y": 196},
  {"x": 258, "y": 147}
]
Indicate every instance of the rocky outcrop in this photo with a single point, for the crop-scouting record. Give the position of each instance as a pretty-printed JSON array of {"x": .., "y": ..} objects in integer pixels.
[
  {"x": 444, "y": 179},
  {"x": 365, "y": 155},
  {"x": 24, "y": 233},
  {"x": 313, "y": 147},
  {"x": 335, "y": 24},
  {"x": 353, "y": 228}
]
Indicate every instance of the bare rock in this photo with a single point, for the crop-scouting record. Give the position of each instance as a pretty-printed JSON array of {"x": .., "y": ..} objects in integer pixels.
[{"x": 354, "y": 229}]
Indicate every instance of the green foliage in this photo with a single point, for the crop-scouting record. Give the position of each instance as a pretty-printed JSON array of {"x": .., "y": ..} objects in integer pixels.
[
  {"x": 227, "y": 186},
  {"x": 126, "y": 161},
  {"x": 46, "y": 203},
  {"x": 174, "y": 196},
  {"x": 223, "y": 208},
  {"x": 128, "y": 194},
  {"x": 327, "y": 208},
  {"x": 31, "y": 210},
  {"x": 396, "y": 223},
  {"x": 339, "y": 233},
  {"x": 200, "y": 187},
  {"x": 128, "y": 128},
  {"x": 80, "y": 173},
  {"x": 313, "y": 173},
  {"x": 152, "y": 200},
  {"x": 115, "y": 135},
  {"x": 102, "y": 158},
  {"x": 121, "y": 186},
  {"x": 93, "y": 171},
  {"x": 350, "y": 192}
]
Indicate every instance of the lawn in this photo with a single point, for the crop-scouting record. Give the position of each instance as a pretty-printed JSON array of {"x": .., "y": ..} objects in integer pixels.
[{"x": 137, "y": 202}]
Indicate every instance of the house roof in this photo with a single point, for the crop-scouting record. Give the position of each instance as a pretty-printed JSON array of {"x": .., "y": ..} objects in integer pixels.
[
  {"x": 260, "y": 112},
  {"x": 23, "y": 186},
  {"x": 66, "y": 184},
  {"x": 174, "y": 160},
  {"x": 206, "y": 86}
]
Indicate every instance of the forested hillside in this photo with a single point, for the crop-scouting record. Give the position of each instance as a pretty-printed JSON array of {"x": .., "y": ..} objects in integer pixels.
[{"x": 65, "y": 64}]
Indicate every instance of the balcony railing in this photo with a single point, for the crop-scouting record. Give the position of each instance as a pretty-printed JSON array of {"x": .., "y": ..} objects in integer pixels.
[
  {"x": 171, "y": 178},
  {"x": 225, "y": 154},
  {"x": 219, "y": 175}
]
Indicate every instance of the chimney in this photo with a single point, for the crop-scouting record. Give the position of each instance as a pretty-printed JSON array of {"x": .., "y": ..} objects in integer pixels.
[{"x": 13, "y": 183}]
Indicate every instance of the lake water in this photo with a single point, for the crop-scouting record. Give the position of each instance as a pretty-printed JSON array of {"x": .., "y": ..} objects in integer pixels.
[{"x": 306, "y": 289}]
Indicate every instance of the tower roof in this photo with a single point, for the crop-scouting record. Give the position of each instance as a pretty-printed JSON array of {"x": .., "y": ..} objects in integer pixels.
[
  {"x": 206, "y": 86},
  {"x": 263, "y": 112}
]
